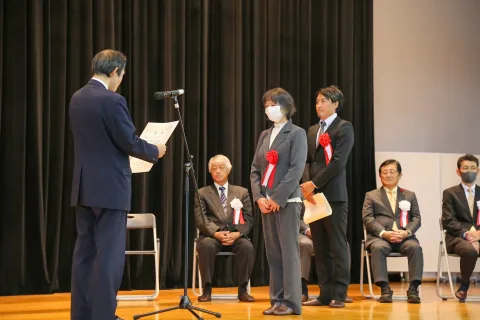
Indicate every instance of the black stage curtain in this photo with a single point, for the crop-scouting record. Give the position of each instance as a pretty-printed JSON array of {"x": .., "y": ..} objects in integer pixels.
[{"x": 224, "y": 53}]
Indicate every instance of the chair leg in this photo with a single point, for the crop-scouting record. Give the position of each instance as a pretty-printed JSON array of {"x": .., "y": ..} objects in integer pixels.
[
  {"x": 194, "y": 272},
  {"x": 362, "y": 263},
  {"x": 369, "y": 274},
  {"x": 439, "y": 274}
]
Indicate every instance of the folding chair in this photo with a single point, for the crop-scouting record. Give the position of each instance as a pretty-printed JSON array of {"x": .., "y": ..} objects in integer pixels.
[
  {"x": 145, "y": 221},
  {"x": 442, "y": 253},
  {"x": 195, "y": 270},
  {"x": 365, "y": 256}
]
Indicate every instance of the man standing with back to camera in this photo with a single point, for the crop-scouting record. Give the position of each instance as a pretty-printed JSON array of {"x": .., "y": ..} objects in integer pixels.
[{"x": 104, "y": 138}]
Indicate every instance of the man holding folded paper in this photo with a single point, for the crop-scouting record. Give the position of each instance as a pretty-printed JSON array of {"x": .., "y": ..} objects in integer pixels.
[
  {"x": 329, "y": 145},
  {"x": 391, "y": 216}
]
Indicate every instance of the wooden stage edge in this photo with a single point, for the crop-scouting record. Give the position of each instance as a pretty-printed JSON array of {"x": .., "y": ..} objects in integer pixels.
[{"x": 57, "y": 306}]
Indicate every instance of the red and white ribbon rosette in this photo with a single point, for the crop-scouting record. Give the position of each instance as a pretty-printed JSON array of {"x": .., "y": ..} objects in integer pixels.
[
  {"x": 237, "y": 206},
  {"x": 478, "y": 213},
  {"x": 325, "y": 142},
  {"x": 404, "y": 206},
  {"x": 269, "y": 176}
]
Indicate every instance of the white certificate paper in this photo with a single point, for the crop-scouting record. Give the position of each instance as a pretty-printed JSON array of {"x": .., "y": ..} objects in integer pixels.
[
  {"x": 320, "y": 210},
  {"x": 154, "y": 133}
]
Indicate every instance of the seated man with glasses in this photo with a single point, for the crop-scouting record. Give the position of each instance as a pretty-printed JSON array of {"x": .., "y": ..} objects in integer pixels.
[
  {"x": 460, "y": 218},
  {"x": 391, "y": 217},
  {"x": 224, "y": 219}
]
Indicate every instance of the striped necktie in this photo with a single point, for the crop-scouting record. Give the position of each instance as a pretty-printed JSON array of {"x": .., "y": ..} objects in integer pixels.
[{"x": 223, "y": 199}]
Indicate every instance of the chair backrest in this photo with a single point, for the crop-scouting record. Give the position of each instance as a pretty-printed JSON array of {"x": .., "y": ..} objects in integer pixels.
[
  {"x": 442, "y": 231},
  {"x": 140, "y": 221}
]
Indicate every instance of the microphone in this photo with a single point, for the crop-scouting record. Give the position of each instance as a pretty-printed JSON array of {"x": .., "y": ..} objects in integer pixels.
[{"x": 165, "y": 94}]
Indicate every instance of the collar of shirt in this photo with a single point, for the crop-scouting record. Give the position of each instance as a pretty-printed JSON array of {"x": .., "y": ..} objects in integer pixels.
[
  {"x": 218, "y": 188},
  {"x": 465, "y": 188},
  {"x": 104, "y": 84},
  {"x": 394, "y": 193},
  {"x": 328, "y": 121}
]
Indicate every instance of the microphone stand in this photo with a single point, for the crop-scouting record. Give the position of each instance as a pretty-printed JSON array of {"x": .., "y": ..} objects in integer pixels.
[{"x": 185, "y": 302}]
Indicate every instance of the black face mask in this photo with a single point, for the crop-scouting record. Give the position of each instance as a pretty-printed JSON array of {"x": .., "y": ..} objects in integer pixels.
[{"x": 469, "y": 176}]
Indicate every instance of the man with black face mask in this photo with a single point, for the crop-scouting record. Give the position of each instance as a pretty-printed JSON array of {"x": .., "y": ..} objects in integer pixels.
[{"x": 460, "y": 218}]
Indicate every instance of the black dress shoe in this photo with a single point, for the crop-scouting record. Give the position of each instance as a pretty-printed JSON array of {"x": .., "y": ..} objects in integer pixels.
[
  {"x": 386, "y": 296},
  {"x": 206, "y": 297},
  {"x": 271, "y": 310},
  {"x": 461, "y": 295},
  {"x": 348, "y": 299},
  {"x": 336, "y": 304},
  {"x": 246, "y": 298},
  {"x": 283, "y": 311},
  {"x": 412, "y": 295}
]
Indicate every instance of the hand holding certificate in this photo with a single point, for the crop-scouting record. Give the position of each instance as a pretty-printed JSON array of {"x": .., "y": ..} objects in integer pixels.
[
  {"x": 154, "y": 133},
  {"x": 317, "y": 211}
]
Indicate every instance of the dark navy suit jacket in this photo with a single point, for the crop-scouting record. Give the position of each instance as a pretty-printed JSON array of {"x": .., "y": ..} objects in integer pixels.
[{"x": 104, "y": 137}]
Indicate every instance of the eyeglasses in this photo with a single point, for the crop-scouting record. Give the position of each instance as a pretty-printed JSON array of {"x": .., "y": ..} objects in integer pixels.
[{"x": 385, "y": 172}]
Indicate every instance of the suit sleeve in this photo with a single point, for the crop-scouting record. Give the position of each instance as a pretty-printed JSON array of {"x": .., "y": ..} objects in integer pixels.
[
  {"x": 449, "y": 218},
  {"x": 415, "y": 220},
  {"x": 369, "y": 221},
  {"x": 122, "y": 132},
  {"x": 306, "y": 170},
  {"x": 203, "y": 224},
  {"x": 255, "y": 172},
  {"x": 298, "y": 157},
  {"x": 340, "y": 155},
  {"x": 245, "y": 229}
]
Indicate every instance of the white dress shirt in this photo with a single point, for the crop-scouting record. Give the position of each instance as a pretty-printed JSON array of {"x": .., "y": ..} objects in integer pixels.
[
  {"x": 220, "y": 192},
  {"x": 104, "y": 84},
  {"x": 328, "y": 122}
]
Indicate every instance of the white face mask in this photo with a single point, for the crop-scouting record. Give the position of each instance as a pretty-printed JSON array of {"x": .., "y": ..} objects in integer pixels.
[{"x": 274, "y": 113}]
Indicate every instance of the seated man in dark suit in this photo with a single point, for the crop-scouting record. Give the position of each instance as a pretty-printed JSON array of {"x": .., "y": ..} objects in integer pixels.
[
  {"x": 305, "y": 243},
  {"x": 224, "y": 218},
  {"x": 391, "y": 216},
  {"x": 306, "y": 251},
  {"x": 460, "y": 210}
]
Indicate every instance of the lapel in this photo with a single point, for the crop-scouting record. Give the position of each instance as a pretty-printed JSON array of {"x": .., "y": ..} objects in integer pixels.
[
  {"x": 213, "y": 194},
  {"x": 312, "y": 140},
  {"x": 282, "y": 135},
  {"x": 400, "y": 197},
  {"x": 463, "y": 199},
  {"x": 384, "y": 197},
  {"x": 230, "y": 196},
  {"x": 266, "y": 140},
  {"x": 475, "y": 207}
]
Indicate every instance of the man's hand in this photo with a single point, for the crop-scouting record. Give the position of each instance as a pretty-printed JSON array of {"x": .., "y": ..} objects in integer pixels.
[
  {"x": 273, "y": 205},
  {"x": 309, "y": 198},
  {"x": 393, "y": 236},
  {"x": 221, "y": 235},
  {"x": 264, "y": 205},
  {"x": 231, "y": 238},
  {"x": 307, "y": 188},
  {"x": 161, "y": 149},
  {"x": 308, "y": 233},
  {"x": 472, "y": 236}
]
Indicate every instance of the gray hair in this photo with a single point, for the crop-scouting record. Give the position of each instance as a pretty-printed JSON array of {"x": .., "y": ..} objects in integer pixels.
[{"x": 219, "y": 157}]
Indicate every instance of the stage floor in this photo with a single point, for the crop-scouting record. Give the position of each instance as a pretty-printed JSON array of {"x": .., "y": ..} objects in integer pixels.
[{"x": 57, "y": 306}]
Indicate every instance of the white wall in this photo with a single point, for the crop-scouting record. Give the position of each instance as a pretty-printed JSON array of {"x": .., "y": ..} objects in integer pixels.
[{"x": 426, "y": 98}]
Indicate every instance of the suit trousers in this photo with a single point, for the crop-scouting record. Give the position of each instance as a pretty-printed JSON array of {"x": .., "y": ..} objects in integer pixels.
[
  {"x": 280, "y": 230},
  {"x": 306, "y": 252},
  {"x": 98, "y": 260},
  {"x": 331, "y": 253},
  {"x": 380, "y": 249},
  {"x": 244, "y": 258},
  {"x": 468, "y": 256}
]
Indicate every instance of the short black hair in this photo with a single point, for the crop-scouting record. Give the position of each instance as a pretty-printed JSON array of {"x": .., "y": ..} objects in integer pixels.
[
  {"x": 467, "y": 157},
  {"x": 333, "y": 94},
  {"x": 390, "y": 161},
  {"x": 282, "y": 98},
  {"x": 107, "y": 60}
]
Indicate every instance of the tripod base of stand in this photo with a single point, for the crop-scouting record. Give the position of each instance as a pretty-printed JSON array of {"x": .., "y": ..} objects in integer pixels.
[{"x": 185, "y": 303}]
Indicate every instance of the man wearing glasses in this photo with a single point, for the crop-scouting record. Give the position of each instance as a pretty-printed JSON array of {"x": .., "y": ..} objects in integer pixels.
[
  {"x": 391, "y": 217},
  {"x": 460, "y": 218}
]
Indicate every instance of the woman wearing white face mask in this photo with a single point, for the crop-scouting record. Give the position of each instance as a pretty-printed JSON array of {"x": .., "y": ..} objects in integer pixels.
[{"x": 277, "y": 168}]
